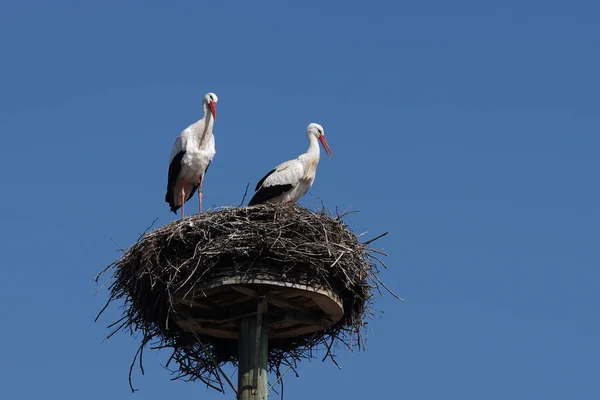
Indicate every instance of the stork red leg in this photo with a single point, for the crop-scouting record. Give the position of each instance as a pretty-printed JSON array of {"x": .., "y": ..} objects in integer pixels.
[
  {"x": 200, "y": 194},
  {"x": 182, "y": 199}
]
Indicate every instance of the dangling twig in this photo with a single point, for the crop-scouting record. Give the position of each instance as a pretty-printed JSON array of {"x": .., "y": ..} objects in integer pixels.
[{"x": 216, "y": 364}]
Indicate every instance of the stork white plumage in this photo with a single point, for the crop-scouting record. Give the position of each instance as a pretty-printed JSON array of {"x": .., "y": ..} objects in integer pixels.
[
  {"x": 289, "y": 181},
  {"x": 192, "y": 153}
]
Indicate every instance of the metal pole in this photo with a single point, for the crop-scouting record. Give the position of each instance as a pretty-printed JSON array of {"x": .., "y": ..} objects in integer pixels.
[{"x": 253, "y": 350}]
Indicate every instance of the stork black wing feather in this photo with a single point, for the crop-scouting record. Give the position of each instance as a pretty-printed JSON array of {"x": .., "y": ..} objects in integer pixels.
[
  {"x": 174, "y": 170},
  {"x": 269, "y": 192},
  {"x": 259, "y": 184}
]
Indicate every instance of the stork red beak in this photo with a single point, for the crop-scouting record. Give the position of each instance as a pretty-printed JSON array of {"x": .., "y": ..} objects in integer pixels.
[
  {"x": 325, "y": 145},
  {"x": 213, "y": 109}
]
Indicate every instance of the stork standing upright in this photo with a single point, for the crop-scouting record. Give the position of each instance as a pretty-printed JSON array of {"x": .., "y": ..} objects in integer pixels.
[
  {"x": 192, "y": 153},
  {"x": 291, "y": 180}
]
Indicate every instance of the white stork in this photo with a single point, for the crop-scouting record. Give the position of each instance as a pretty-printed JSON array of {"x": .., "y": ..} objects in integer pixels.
[
  {"x": 192, "y": 153},
  {"x": 291, "y": 180}
]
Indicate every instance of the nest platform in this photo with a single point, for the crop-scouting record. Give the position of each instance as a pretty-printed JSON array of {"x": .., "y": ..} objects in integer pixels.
[
  {"x": 295, "y": 309},
  {"x": 187, "y": 285}
]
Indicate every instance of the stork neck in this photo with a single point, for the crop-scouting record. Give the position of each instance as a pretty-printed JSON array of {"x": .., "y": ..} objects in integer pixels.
[
  {"x": 208, "y": 126},
  {"x": 208, "y": 119},
  {"x": 314, "y": 151}
]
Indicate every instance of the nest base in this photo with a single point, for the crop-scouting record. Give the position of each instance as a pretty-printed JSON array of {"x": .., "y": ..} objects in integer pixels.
[
  {"x": 216, "y": 309},
  {"x": 191, "y": 285}
]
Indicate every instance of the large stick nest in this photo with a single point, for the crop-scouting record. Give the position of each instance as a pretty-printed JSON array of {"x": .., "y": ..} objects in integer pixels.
[{"x": 290, "y": 244}]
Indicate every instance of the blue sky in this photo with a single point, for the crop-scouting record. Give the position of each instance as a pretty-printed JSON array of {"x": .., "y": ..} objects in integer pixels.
[{"x": 469, "y": 130}]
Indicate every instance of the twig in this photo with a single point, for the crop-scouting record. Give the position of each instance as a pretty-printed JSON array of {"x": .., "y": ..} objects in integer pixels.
[
  {"x": 375, "y": 238},
  {"x": 122, "y": 250},
  {"x": 103, "y": 271},
  {"x": 216, "y": 364},
  {"x": 387, "y": 288},
  {"x": 328, "y": 353},
  {"x": 344, "y": 213},
  {"x": 103, "y": 308},
  {"x": 280, "y": 377},
  {"x": 147, "y": 229},
  {"x": 137, "y": 353},
  {"x": 337, "y": 259},
  {"x": 245, "y": 193}
]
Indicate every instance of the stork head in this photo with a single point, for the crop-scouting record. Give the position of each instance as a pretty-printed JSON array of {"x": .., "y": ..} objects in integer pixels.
[
  {"x": 319, "y": 133},
  {"x": 211, "y": 101}
]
